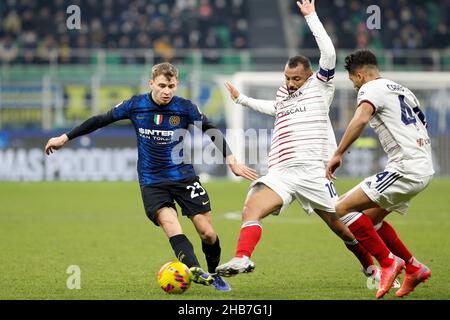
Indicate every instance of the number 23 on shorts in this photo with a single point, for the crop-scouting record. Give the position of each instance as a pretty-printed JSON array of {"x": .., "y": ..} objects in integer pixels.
[{"x": 196, "y": 190}]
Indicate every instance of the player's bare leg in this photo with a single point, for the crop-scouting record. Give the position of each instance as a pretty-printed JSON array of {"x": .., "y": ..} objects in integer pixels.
[
  {"x": 335, "y": 224},
  {"x": 416, "y": 272},
  {"x": 182, "y": 247},
  {"x": 260, "y": 202},
  {"x": 354, "y": 200},
  {"x": 362, "y": 228},
  {"x": 376, "y": 215},
  {"x": 203, "y": 224},
  {"x": 168, "y": 221},
  {"x": 210, "y": 246}
]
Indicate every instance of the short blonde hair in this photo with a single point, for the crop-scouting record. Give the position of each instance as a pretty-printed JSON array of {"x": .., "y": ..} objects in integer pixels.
[{"x": 166, "y": 69}]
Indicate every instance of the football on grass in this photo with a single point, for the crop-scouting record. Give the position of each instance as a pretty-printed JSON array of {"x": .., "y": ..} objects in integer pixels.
[{"x": 174, "y": 277}]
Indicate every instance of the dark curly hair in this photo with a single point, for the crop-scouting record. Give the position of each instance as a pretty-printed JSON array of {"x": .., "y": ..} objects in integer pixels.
[
  {"x": 358, "y": 59},
  {"x": 293, "y": 62}
]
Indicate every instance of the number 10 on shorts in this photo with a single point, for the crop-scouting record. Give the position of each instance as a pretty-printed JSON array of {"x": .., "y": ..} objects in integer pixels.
[{"x": 331, "y": 189}]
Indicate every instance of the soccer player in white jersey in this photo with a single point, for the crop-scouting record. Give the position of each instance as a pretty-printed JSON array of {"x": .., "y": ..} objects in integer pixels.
[
  {"x": 392, "y": 110},
  {"x": 301, "y": 144}
]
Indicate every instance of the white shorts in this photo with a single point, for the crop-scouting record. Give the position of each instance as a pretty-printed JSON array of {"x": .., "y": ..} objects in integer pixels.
[
  {"x": 392, "y": 190},
  {"x": 306, "y": 183}
]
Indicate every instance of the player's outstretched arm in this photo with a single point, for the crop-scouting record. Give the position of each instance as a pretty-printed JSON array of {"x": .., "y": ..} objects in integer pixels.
[
  {"x": 327, "y": 60},
  {"x": 263, "y": 106},
  {"x": 353, "y": 131},
  {"x": 88, "y": 126}
]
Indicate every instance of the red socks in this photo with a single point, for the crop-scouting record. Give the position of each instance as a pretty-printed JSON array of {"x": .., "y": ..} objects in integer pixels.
[
  {"x": 251, "y": 232},
  {"x": 370, "y": 243},
  {"x": 364, "y": 232},
  {"x": 391, "y": 239}
]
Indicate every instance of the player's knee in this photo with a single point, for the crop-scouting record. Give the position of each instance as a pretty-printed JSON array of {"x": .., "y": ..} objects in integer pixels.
[
  {"x": 340, "y": 229},
  {"x": 250, "y": 213},
  {"x": 167, "y": 224},
  {"x": 341, "y": 209},
  {"x": 209, "y": 236}
]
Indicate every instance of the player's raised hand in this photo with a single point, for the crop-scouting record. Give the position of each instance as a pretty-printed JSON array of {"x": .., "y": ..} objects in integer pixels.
[
  {"x": 334, "y": 163},
  {"x": 234, "y": 93},
  {"x": 241, "y": 170},
  {"x": 306, "y": 6},
  {"x": 56, "y": 143}
]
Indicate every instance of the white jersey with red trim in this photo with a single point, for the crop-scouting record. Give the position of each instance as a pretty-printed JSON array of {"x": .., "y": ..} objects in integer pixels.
[
  {"x": 400, "y": 126},
  {"x": 302, "y": 130}
]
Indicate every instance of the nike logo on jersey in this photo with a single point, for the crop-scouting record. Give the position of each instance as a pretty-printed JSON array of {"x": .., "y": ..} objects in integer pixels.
[{"x": 205, "y": 203}]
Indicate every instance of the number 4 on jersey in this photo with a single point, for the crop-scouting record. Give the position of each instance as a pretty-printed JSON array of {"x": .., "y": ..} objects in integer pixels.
[
  {"x": 408, "y": 116},
  {"x": 409, "y": 113}
]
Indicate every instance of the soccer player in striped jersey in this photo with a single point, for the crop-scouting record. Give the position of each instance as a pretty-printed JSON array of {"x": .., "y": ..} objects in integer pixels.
[
  {"x": 156, "y": 116},
  {"x": 302, "y": 142},
  {"x": 369, "y": 269},
  {"x": 393, "y": 111}
]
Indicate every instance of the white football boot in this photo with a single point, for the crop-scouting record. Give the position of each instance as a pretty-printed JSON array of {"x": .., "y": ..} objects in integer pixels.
[
  {"x": 373, "y": 280},
  {"x": 235, "y": 266}
]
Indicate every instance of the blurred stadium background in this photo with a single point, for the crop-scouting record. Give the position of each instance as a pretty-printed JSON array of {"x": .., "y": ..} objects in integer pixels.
[{"x": 52, "y": 78}]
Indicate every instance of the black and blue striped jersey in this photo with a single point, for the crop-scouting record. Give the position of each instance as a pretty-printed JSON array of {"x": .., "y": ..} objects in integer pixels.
[{"x": 159, "y": 131}]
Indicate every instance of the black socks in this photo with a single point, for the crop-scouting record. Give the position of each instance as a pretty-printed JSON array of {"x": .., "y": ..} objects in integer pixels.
[
  {"x": 184, "y": 251},
  {"x": 212, "y": 254}
]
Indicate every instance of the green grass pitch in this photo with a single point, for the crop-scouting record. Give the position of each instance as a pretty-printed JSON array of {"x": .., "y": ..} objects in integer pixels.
[{"x": 102, "y": 228}]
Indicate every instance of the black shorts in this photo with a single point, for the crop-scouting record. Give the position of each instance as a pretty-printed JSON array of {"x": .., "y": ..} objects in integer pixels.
[{"x": 189, "y": 194}]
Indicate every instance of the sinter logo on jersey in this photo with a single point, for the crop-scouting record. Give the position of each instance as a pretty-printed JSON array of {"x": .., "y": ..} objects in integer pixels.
[{"x": 160, "y": 136}]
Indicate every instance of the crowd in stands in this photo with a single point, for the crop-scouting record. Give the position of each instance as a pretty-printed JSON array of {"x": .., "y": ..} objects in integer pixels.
[
  {"x": 38, "y": 28},
  {"x": 34, "y": 31},
  {"x": 404, "y": 24}
]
